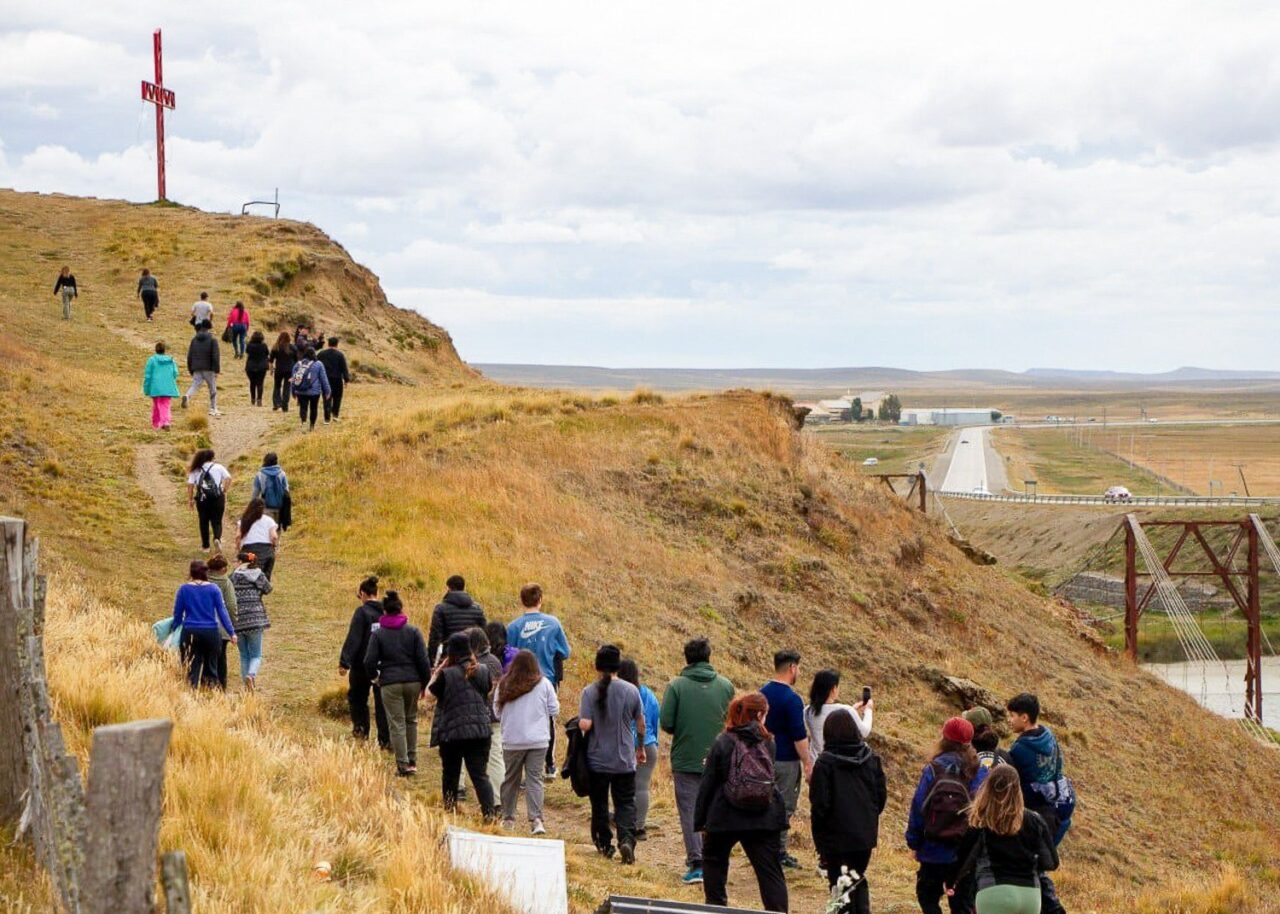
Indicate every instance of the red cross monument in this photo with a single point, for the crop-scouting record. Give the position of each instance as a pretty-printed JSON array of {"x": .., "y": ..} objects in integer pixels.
[{"x": 162, "y": 98}]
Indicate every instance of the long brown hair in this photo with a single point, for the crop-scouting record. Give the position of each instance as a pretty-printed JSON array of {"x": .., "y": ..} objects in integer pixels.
[
  {"x": 201, "y": 457},
  {"x": 998, "y": 806},
  {"x": 746, "y": 709},
  {"x": 964, "y": 752},
  {"x": 521, "y": 678},
  {"x": 252, "y": 514},
  {"x": 283, "y": 342}
]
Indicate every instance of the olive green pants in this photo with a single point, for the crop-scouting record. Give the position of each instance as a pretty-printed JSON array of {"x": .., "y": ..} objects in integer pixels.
[{"x": 1009, "y": 899}]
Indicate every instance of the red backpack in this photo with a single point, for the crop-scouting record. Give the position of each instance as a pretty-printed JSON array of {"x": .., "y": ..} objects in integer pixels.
[
  {"x": 750, "y": 782},
  {"x": 946, "y": 805}
]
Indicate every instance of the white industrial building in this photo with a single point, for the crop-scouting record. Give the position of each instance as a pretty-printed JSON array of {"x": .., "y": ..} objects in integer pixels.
[{"x": 947, "y": 415}]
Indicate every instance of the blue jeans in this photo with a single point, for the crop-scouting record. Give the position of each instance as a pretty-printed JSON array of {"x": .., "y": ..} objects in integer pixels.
[
  {"x": 238, "y": 333},
  {"x": 250, "y": 644}
]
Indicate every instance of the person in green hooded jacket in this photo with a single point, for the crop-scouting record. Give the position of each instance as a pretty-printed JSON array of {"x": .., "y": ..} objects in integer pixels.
[
  {"x": 160, "y": 383},
  {"x": 693, "y": 712}
]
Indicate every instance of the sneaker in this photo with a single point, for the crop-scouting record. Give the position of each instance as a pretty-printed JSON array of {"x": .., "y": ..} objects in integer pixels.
[
  {"x": 693, "y": 877},
  {"x": 605, "y": 852},
  {"x": 538, "y": 827},
  {"x": 184, "y": 401},
  {"x": 405, "y": 772},
  {"x": 628, "y": 852},
  {"x": 552, "y": 773},
  {"x": 642, "y": 834},
  {"x": 215, "y": 414},
  {"x": 508, "y": 824},
  {"x": 217, "y": 546},
  {"x": 790, "y": 862}
]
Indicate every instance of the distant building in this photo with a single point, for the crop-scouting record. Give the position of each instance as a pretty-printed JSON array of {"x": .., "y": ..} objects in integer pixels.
[
  {"x": 946, "y": 415},
  {"x": 840, "y": 410}
]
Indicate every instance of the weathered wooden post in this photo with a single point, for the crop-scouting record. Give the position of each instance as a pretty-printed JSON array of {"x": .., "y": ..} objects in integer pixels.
[
  {"x": 173, "y": 872},
  {"x": 13, "y": 759},
  {"x": 126, "y": 782}
]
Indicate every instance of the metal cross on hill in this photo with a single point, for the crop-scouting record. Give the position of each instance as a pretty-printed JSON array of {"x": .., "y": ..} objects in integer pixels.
[{"x": 162, "y": 98}]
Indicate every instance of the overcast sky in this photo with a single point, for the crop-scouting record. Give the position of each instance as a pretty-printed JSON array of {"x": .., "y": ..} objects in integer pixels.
[{"x": 715, "y": 184}]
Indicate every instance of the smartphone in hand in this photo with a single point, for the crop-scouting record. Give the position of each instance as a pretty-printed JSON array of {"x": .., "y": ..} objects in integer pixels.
[{"x": 866, "y": 694}]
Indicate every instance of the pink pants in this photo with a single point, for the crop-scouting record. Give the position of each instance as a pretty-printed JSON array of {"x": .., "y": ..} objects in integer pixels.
[{"x": 160, "y": 415}]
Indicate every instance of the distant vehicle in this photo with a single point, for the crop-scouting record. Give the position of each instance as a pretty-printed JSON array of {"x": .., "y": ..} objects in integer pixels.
[
  {"x": 1153, "y": 419},
  {"x": 1117, "y": 493},
  {"x": 964, "y": 440},
  {"x": 1092, "y": 419},
  {"x": 871, "y": 462},
  {"x": 980, "y": 490}
]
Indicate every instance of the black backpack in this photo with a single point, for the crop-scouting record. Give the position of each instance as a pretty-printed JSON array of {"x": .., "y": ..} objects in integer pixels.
[
  {"x": 946, "y": 805},
  {"x": 206, "y": 486}
]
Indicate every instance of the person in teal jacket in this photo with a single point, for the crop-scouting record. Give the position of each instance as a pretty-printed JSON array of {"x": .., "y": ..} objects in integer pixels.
[{"x": 160, "y": 383}]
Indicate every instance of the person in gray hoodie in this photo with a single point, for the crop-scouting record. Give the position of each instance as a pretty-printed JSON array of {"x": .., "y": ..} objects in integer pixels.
[
  {"x": 204, "y": 362},
  {"x": 524, "y": 700}
]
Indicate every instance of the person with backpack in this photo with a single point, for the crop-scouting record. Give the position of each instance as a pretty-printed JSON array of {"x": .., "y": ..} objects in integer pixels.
[
  {"x": 238, "y": 327},
  {"x": 201, "y": 311},
  {"x": 986, "y": 741},
  {"x": 497, "y": 634},
  {"x": 309, "y": 383},
  {"x": 217, "y": 566},
  {"x": 351, "y": 664},
  {"x": 282, "y": 359},
  {"x": 846, "y": 797},
  {"x": 271, "y": 485},
  {"x": 790, "y": 738},
  {"x": 456, "y": 612},
  {"x": 257, "y": 358},
  {"x": 198, "y": 608},
  {"x": 461, "y": 727},
  {"x": 739, "y": 803},
  {"x": 204, "y": 362},
  {"x": 252, "y": 584},
  {"x": 260, "y": 534},
  {"x": 207, "y": 485},
  {"x": 67, "y": 288},
  {"x": 495, "y": 767},
  {"x": 1037, "y": 757},
  {"x": 524, "y": 701},
  {"x": 542, "y": 634},
  {"x": 1007, "y": 849},
  {"x": 160, "y": 383},
  {"x": 607, "y": 711},
  {"x": 335, "y": 366},
  {"x": 396, "y": 662},
  {"x": 693, "y": 710},
  {"x": 824, "y": 700},
  {"x": 630, "y": 672},
  {"x": 149, "y": 292},
  {"x": 938, "y": 820}
]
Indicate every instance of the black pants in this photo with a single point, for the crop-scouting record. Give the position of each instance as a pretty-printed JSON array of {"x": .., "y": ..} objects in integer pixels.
[
  {"x": 358, "y": 689},
  {"x": 281, "y": 389},
  {"x": 333, "y": 405},
  {"x": 551, "y": 747},
  {"x": 257, "y": 381},
  {"x": 622, "y": 787},
  {"x": 763, "y": 850},
  {"x": 210, "y": 512},
  {"x": 150, "y": 301},
  {"x": 860, "y": 900},
  {"x": 1049, "y": 902},
  {"x": 930, "y": 879},
  {"x": 201, "y": 650},
  {"x": 308, "y": 403},
  {"x": 474, "y": 753}
]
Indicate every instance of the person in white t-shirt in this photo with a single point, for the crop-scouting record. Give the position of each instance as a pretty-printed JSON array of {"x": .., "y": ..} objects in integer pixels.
[
  {"x": 824, "y": 700},
  {"x": 260, "y": 534},
  {"x": 207, "y": 484},
  {"x": 202, "y": 311}
]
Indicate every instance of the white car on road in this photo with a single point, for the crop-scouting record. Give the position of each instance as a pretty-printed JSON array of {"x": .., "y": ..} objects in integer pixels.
[{"x": 1117, "y": 493}]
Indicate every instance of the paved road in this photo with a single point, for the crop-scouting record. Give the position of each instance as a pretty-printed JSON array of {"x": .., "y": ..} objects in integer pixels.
[{"x": 968, "y": 470}]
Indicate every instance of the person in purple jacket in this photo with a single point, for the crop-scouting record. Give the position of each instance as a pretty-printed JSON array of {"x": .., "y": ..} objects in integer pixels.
[{"x": 202, "y": 613}]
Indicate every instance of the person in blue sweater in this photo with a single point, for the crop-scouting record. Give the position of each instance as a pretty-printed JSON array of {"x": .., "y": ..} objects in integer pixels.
[
  {"x": 955, "y": 761},
  {"x": 542, "y": 635},
  {"x": 629, "y": 672},
  {"x": 310, "y": 383},
  {"x": 202, "y": 613},
  {"x": 1045, "y": 790}
]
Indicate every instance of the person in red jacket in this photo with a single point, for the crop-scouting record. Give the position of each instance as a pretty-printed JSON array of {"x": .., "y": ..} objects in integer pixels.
[{"x": 238, "y": 324}]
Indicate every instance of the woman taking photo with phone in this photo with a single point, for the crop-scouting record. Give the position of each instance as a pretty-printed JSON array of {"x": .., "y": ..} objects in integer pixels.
[{"x": 824, "y": 700}]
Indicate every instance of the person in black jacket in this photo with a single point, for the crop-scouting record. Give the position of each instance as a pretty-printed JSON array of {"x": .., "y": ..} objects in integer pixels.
[
  {"x": 1007, "y": 847},
  {"x": 724, "y": 824},
  {"x": 351, "y": 664},
  {"x": 461, "y": 686},
  {"x": 67, "y": 288},
  {"x": 282, "y": 358},
  {"x": 204, "y": 361},
  {"x": 457, "y": 612},
  {"x": 335, "y": 366},
  {"x": 257, "y": 358},
  {"x": 396, "y": 662},
  {"x": 846, "y": 797}
]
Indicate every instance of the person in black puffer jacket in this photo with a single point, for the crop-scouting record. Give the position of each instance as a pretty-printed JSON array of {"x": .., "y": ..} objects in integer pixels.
[
  {"x": 457, "y": 612},
  {"x": 396, "y": 662},
  {"x": 846, "y": 797},
  {"x": 461, "y": 727},
  {"x": 351, "y": 662},
  {"x": 256, "y": 362},
  {"x": 724, "y": 824}
]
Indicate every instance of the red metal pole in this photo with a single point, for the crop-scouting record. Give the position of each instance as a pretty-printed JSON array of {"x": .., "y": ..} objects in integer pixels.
[
  {"x": 1253, "y": 644},
  {"x": 159, "y": 119},
  {"x": 1130, "y": 590}
]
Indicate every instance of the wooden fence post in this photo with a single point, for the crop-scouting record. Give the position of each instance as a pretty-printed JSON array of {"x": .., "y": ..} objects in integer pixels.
[
  {"x": 126, "y": 781},
  {"x": 173, "y": 873},
  {"x": 13, "y": 757}
]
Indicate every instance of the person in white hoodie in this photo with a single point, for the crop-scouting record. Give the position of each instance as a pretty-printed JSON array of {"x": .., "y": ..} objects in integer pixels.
[
  {"x": 524, "y": 701},
  {"x": 824, "y": 700}
]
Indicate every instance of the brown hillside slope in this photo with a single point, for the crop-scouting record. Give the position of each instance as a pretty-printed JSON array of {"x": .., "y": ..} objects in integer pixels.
[{"x": 647, "y": 522}]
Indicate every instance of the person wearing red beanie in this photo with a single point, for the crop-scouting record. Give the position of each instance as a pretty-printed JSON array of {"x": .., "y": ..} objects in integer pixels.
[{"x": 953, "y": 769}]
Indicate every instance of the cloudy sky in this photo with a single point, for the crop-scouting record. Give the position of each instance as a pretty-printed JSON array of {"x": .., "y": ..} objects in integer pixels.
[{"x": 715, "y": 184}]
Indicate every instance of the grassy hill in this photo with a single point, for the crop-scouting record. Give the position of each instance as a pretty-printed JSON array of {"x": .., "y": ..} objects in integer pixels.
[{"x": 646, "y": 521}]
